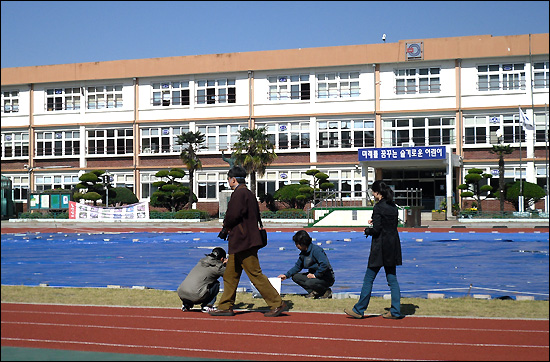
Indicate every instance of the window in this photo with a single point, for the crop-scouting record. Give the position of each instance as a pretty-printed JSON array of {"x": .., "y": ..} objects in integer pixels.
[
  {"x": 55, "y": 181},
  {"x": 123, "y": 180},
  {"x": 208, "y": 185},
  {"x": 109, "y": 96},
  {"x": 347, "y": 183},
  {"x": 417, "y": 80},
  {"x": 541, "y": 176},
  {"x": 495, "y": 77},
  {"x": 363, "y": 133},
  {"x": 284, "y": 87},
  {"x": 147, "y": 188},
  {"x": 268, "y": 183},
  {"x": 540, "y": 75},
  {"x": 58, "y": 99},
  {"x": 420, "y": 131},
  {"x": 161, "y": 139},
  {"x": 482, "y": 129},
  {"x": 15, "y": 144},
  {"x": 338, "y": 85},
  {"x": 171, "y": 94},
  {"x": 10, "y": 101},
  {"x": 340, "y": 134},
  {"x": 176, "y": 132},
  {"x": 147, "y": 180},
  {"x": 541, "y": 127},
  {"x": 334, "y": 134},
  {"x": 119, "y": 141},
  {"x": 58, "y": 143},
  {"x": 288, "y": 135},
  {"x": 216, "y": 91},
  {"x": 20, "y": 186},
  {"x": 220, "y": 137},
  {"x": 155, "y": 140},
  {"x": 494, "y": 181}
]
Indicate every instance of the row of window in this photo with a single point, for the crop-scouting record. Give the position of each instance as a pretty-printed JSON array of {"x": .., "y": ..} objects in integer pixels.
[
  {"x": 210, "y": 184},
  {"x": 491, "y": 77},
  {"x": 339, "y": 134}
]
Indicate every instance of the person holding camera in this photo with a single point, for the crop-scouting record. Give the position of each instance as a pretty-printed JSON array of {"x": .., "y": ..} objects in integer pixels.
[
  {"x": 320, "y": 276},
  {"x": 240, "y": 228},
  {"x": 201, "y": 286},
  {"x": 385, "y": 251}
]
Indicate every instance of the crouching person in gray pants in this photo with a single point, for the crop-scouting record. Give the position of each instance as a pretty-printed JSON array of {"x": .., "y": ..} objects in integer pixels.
[{"x": 201, "y": 286}]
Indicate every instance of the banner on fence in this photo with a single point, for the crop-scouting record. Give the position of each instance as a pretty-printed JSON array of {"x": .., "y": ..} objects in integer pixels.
[{"x": 139, "y": 211}]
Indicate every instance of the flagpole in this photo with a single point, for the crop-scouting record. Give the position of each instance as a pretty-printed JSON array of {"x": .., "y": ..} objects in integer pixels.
[
  {"x": 520, "y": 201},
  {"x": 533, "y": 131}
]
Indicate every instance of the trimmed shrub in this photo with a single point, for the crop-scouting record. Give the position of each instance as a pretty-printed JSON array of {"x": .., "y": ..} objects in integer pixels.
[{"x": 192, "y": 214}]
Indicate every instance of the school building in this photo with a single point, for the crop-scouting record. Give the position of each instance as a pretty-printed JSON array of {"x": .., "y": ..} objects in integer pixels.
[{"x": 417, "y": 113}]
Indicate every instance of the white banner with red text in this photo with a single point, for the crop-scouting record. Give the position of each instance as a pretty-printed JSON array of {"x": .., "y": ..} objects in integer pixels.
[{"x": 139, "y": 211}]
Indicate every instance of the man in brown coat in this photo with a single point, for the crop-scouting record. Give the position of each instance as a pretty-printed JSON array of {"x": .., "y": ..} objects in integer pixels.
[{"x": 240, "y": 227}]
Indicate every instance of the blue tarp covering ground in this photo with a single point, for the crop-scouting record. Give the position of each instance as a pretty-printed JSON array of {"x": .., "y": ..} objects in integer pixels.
[{"x": 498, "y": 264}]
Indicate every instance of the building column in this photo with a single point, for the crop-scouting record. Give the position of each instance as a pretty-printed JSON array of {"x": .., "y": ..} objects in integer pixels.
[
  {"x": 313, "y": 139},
  {"x": 449, "y": 182}
]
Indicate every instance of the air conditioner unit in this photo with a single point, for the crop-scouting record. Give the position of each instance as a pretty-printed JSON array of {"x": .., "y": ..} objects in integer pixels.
[{"x": 407, "y": 144}]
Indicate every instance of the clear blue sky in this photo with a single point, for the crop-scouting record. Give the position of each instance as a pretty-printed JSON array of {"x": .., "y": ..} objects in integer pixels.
[{"x": 60, "y": 32}]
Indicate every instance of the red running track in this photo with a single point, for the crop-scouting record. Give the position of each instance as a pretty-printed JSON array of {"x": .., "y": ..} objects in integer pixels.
[{"x": 251, "y": 336}]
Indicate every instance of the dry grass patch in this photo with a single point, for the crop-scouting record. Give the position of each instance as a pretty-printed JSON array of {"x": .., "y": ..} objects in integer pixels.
[{"x": 467, "y": 307}]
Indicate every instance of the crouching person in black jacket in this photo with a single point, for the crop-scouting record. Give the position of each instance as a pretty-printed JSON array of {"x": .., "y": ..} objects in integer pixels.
[{"x": 320, "y": 276}]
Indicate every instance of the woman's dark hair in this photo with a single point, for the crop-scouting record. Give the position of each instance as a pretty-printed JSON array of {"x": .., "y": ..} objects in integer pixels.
[
  {"x": 302, "y": 238},
  {"x": 238, "y": 172},
  {"x": 384, "y": 190}
]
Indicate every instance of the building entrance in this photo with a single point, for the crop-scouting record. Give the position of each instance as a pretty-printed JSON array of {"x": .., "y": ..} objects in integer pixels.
[{"x": 432, "y": 183}]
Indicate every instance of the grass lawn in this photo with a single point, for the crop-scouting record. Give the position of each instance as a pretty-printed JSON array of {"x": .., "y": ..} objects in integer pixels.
[{"x": 460, "y": 307}]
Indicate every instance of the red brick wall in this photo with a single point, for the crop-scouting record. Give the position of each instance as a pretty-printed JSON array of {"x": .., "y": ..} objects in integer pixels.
[
  {"x": 339, "y": 157},
  {"x": 484, "y": 154},
  {"x": 58, "y": 162},
  {"x": 106, "y": 163},
  {"x": 291, "y": 158},
  {"x": 494, "y": 205}
]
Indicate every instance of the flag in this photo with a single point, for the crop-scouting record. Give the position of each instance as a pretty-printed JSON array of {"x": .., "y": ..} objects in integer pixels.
[{"x": 525, "y": 122}]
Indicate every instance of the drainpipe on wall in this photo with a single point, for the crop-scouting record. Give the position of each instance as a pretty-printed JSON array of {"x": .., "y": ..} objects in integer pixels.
[
  {"x": 135, "y": 131},
  {"x": 251, "y": 124},
  {"x": 31, "y": 141},
  {"x": 377, "y": 116},
  {"x": 458, "y": 130}
]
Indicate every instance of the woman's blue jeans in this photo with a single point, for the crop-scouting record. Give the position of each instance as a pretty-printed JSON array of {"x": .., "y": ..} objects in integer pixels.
[{"x": 361, "y": 306}]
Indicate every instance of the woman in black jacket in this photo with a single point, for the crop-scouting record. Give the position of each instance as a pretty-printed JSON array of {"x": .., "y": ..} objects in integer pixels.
[{"x": 385, "y": 251}]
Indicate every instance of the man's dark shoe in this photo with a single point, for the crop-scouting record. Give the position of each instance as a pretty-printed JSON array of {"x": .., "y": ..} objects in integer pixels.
[
  {"x": 277, "y": 311},
  {"x": 222, "y": 312},
  {"x": 351, "y": 313},
  {"x": 313, "y": 295},
  {"x": 327, "y": 295},
  {"x": 388, "y": 315}
]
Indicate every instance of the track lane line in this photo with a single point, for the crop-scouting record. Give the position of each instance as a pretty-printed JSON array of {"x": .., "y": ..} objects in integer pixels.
[
  {"x": 370, "y": 326},
  {"x": 224, "y": 352},
  {"x": 309, "y": 337}
]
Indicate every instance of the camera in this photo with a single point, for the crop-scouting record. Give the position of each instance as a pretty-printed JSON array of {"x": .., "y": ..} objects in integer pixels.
[
  {"x": 368, "y": 231},
  {"x": 223, "y": 234}
]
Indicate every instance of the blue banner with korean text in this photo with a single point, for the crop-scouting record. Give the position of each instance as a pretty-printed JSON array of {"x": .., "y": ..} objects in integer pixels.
[{"x": 402, "y": 153}]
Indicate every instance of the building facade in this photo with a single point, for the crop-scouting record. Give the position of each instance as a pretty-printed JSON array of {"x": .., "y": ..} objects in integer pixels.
[{"x": 319, "y": 105}]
